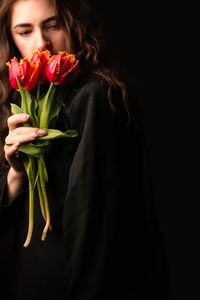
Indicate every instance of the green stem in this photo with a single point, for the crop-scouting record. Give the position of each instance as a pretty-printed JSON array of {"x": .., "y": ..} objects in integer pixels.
[
  {"x": 38, "y": 92},
  {"x": 48, "y": 225},
  {"x": 31, "y": 216},
  {"x": 42, "y": 206}
]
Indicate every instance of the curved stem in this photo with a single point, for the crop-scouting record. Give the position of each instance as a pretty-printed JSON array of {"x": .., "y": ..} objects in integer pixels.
[
  {"x": 48, "y": 225},
  {"x": 31, "y": 216},
  {"x": 42, "y": 206}
]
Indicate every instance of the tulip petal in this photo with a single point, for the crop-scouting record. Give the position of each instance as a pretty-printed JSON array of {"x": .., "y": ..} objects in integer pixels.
[
  {"x": 67, "y": 75},
  {"x": 31, "y": 73},
  {"x": 15, "y": 71},
  {"x": 53, "y": 67},
  {"x": 42, "y": 58},
  {"x": 60, "y": 66}
]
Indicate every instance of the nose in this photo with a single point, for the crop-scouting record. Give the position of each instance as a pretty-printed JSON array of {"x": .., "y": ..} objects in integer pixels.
[
  {"x": 43, "y": 47},
  {"x": 42, "y": 42}
]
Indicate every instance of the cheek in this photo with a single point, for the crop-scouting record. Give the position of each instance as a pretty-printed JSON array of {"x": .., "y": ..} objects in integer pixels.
[
  {"x": 25, "y": 50},
  {"x": 62, "y": 43},
  {"x": 23, "y": 47},
  {"x": 17, "y": 42}
]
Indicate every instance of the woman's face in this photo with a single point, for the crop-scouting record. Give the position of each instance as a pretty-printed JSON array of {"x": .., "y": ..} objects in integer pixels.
[{"x": 35, "y": 25}]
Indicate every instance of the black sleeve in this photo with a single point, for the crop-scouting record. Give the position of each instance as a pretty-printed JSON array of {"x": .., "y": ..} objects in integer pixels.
[
  {"x": 105, "y": 224},
  {"x": 3, "y": 181},
  {"x": 3, "y": 197},
  {"x": 9, "y": 214}
]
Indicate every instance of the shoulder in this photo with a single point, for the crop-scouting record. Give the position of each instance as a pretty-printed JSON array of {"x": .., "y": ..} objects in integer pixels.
[
  {"x": 87, "y": 96},
  {"x": 89, "y": 99},
  {"x": 92, "y": 87}
]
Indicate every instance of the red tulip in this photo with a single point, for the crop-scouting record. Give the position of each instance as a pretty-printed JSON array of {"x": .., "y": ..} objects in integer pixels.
[
  {"x": 26, "y": 71},
  {"x": 43, "y": 58},
  {"x": 61, "y": 67}
]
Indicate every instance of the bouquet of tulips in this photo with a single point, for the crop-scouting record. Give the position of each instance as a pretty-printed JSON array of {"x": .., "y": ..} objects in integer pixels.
[{"x": 24, "y": 76}]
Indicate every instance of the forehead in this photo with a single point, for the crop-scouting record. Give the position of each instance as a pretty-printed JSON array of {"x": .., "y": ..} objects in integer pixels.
[{"x": 32, "y": 11}]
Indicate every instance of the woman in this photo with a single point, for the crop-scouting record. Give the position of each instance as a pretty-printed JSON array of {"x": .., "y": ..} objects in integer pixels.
[{"x": 95, "y": 219}]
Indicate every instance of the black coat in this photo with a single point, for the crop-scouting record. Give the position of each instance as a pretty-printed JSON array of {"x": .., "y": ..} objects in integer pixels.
[{"x": 105, "y": 242}]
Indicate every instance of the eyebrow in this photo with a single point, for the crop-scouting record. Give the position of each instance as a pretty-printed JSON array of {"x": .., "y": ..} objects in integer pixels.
[{"x": 29, "y": 24}]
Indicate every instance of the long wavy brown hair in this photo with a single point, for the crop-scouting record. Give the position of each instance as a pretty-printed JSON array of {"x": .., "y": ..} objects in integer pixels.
[{"x": 87, "y": 42}]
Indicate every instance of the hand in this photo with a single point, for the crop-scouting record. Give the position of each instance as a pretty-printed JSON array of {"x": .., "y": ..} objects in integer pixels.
[{"x": 16, "y": 136}]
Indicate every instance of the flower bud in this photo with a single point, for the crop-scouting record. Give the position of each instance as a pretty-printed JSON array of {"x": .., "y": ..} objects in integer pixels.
[
  {"x": 61, "y": 67},
  {"x": 41, "y": 57},
  {"x": 26, "y": 71}
]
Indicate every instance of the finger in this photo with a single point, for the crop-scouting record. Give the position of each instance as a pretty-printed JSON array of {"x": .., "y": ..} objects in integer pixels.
[
  {"x": 14, "y": 120},
  {"x": 10, "y": 155},
  {"x": 24, "y": 135}
]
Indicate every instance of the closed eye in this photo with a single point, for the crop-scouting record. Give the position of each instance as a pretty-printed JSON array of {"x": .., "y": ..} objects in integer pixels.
[
  {"x": 53, "y": 27},
  {"x": 24, "y": 33}
]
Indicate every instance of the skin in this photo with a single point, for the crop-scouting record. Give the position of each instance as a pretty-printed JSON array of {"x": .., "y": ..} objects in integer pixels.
[{"x": 34, "y": 25}]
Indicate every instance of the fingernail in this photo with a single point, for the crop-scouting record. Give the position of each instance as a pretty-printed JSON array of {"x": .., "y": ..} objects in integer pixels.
[
  {"x": 42, "y": 132},
  {"x": 35, "y": 134},
  {"x": 25, "y": 117},
  {"x": 16, "y": 145}
]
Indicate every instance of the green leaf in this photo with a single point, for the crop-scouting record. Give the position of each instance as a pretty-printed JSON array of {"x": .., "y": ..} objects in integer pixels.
[
  {"x": 30, "y": 165},
  {"x": 35, "y": 150},
  {"x": 48, "y": 110},
  {"x": 31, "y": 108},
  {"x": 35, "y": 112},
  {"x": 23, "y": 97},
  {"x": 39, "y": 108},
  {"x": 16, "y": 109},
  {"x": 71, "y": 133},
  {"x": 26, "y": 105},
  {"x": 56, "y": 134},
  {"x": 42, "y": 170}
]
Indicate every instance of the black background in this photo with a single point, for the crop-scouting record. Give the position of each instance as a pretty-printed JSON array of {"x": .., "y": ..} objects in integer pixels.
[{"x": 157, "y": 46}]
